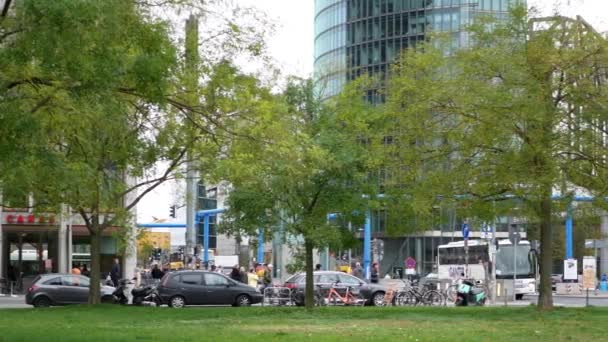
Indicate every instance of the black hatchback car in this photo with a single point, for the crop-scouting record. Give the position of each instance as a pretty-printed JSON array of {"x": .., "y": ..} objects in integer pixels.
[
  {"x": 182, "y": 288},
  {"x": 372, "y": 293},
  {"x": 60, "y": 289}
]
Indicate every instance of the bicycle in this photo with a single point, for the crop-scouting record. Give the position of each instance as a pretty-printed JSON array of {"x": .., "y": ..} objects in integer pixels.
[
  {"x": 415, "y": 295},
  {"x": 334, "y": 297}
]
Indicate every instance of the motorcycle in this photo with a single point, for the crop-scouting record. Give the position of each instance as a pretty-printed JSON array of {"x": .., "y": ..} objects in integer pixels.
[
  {"x": 469, "y": 294},
  {"x": 146, "y": 295},
  {"x": 120, "y": 293}
]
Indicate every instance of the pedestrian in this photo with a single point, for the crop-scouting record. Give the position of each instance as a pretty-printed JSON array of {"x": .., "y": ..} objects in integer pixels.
[
  {"x": 213, "y": 268},
  {"x": 375, "y": 273},
  {"x": 318, "y": 267},
  {"x": 115, "y": 273},
  {"x": 235, "y": 274},
  {"x": 358, "y": 271},
  {"x": 267, "y": 278},
  {"x": 75, "y": 269},
  {"x": 252, "y": 278},
  {"x": 85, "y": 271},
  {"x": 157, "y": 274},
  {"x": 243, "y": 275}
]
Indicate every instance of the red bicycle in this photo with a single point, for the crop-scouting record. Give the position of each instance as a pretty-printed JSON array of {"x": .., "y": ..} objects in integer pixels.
[{"x": 334, "y": 297}]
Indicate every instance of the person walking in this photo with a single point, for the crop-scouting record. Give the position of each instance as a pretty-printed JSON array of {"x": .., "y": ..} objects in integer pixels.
[
  {"x": 76, "y": 269},
  {"x": 243, "y": 275},
  {"x": 318, "y": 267},
  {"x": 267, "y": 278},
  {"x": 157, "y": 274},
  {"x": 252, "y": 278},
  {"x": 115, "y": 273},
  {"x": 375, "y": 273},
  {"x": 85, "y": 271},
  {"x": 235, "y": 274}
]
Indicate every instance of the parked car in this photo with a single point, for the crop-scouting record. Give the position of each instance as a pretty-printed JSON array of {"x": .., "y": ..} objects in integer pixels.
[
  {"x": 372, "y": 293},
  {"x": 182, "y": 288},
  {"x": 61, "y": 289}
]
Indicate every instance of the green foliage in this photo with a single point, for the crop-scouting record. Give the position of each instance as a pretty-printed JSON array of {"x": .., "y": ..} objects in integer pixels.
[{"x": 515, "y": 113}]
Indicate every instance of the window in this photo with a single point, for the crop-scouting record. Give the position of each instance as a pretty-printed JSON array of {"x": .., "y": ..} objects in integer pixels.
[
  {"x": 215, "y": 280},
  {"x": 348, "y": 280},
  {"x": 54, "y": 281},
  {"x": 327, "y": 278},
  {"x": 74, "y": 281},
  {"x": 191, "y": 279}
]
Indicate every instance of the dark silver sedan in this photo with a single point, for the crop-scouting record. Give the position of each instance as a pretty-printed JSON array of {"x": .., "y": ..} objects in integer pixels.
[
  {"x": 205, "y": 288},
  {"x": 61, "y": 289}
]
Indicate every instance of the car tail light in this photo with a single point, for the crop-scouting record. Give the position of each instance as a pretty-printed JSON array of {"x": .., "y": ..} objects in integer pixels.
[
  {"x": 290, "y": 285},
  {"x": 32, "y": 288}
]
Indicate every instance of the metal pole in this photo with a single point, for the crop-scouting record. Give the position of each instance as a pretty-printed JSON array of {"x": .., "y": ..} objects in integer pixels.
[
  {"x": 514, "y": 270},
  {"x": 206, "y": 239},
  {"x": 367, "y": 243},
  {"x": 350, "y": 250},
  {"x": 261, "y": 246},
  {"x": 569, "y": 231}
]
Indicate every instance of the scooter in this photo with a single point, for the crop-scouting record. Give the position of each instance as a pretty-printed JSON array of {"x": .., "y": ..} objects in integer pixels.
[
  {"x": 120, "y": 294},
  {"x": 469, "y": 294},
  {"x": 147, "y": 296}
]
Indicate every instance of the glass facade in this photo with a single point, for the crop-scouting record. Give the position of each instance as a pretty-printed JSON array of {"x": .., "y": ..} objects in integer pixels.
[
  {"x": 330, "y": 46},
  {"x": 362, "y": 37}
]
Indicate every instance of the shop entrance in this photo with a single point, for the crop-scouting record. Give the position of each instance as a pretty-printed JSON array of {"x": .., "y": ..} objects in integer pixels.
[{"x": 28, "y": 253}]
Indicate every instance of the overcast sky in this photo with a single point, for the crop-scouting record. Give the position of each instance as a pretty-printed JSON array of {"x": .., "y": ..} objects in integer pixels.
[{"x": 292, "y": 47}]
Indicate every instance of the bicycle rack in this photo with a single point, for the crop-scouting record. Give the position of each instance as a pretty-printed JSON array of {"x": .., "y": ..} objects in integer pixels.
[{"x": 277, "y": 296}]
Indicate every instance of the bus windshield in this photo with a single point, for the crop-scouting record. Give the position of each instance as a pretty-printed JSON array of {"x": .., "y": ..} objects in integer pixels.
[{"x": 504, "y": 261}]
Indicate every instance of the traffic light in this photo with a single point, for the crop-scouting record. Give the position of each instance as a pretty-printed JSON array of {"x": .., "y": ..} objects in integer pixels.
[{"x": 172, "y": 211}]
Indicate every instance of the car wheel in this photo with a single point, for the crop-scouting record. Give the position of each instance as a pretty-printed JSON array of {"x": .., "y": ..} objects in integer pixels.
[
  {"x": 42, "y": 302},
  {"x": 378, "y": 299},
  {"x": 243, "y": 300},
  {"x": 177, "y": 302},
  {"x": 138, "y": 301}
]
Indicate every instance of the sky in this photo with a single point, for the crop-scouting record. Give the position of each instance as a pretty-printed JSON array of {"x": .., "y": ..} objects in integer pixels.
[{"x": 292, "y": 47}]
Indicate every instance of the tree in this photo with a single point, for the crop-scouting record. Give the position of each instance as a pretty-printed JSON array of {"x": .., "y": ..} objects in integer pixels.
[
  {"x": 94, "y": 110},
  {"x": 499, "y": 126},
  {"x": 302, "y": 160}
]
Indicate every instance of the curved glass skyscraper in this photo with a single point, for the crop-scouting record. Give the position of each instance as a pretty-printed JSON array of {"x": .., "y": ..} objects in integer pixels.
[
  {"x": 330, "y": 45},
  {"x": 355, "y": 37}
]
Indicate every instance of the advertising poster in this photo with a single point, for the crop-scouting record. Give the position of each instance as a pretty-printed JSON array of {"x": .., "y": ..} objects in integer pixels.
[
  {"x": 570, "y": 269},
  {"x": 589, "y": 272}
]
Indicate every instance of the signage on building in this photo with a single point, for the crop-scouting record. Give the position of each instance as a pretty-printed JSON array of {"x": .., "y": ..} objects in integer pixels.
[
  {"x": 29, "y": 219},
  {"x": 410, "y": 265}
]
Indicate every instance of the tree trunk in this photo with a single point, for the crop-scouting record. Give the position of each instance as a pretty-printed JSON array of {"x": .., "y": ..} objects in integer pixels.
[
  {"x": 94, "y": 289},
  {"x": 545, "y": 299},
  {"x": 310, "y": 286}
]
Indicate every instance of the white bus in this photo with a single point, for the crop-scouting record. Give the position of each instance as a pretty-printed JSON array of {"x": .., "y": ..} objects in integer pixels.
[{"x": 452, "y": 265}]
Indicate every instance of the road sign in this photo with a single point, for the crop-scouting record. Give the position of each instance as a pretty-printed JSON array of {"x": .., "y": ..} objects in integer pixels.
[
  {"x": 465, "y": 231},
  {"x": 514, "y": 236}
]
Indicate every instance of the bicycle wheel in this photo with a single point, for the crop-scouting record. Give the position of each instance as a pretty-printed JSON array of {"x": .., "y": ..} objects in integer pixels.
[
  {"x": 404, "y": 299},
  {"x": 451, "y": 292},
  {"x": 432, "y": 298}
]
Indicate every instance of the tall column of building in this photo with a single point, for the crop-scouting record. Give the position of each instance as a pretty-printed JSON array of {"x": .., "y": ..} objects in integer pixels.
[
  {"x": 130, "y": 258},
  {"x": 603, "y": 266},
  {"x": 62, "y": 241}
]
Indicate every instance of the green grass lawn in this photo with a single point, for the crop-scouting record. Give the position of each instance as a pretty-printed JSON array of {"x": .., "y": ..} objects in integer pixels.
[{"x": 121, "y": 323}]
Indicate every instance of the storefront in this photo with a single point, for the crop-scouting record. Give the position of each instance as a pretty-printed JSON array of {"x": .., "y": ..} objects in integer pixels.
[{"x": 32, "y": 244}]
